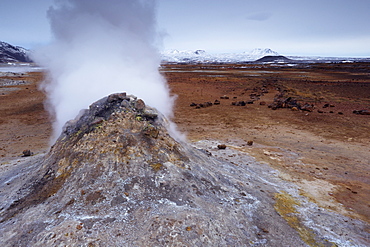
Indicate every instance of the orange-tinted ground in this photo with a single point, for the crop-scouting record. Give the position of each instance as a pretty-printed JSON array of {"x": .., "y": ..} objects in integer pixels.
[{"x": 327, "y": 154}]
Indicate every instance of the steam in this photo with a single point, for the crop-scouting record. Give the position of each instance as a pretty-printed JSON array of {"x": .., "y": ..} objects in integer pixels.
[{"x": 99, "y": 48}]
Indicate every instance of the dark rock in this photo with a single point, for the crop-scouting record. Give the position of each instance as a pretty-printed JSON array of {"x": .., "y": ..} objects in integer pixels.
[
  {"x": 117, "y": 97},
  {"x": 202, "y": 105},
  {"x": 308, "y": 107},
  {"x": 361, "y": 112},
  {"x": 217, "y": 102},
  {"x": 250, "y": 143},
  {"x": 281, "y": 101},
  {"x": 221, "y": 146},
  {"x": 239, "y": 103},
  {"x": 27, "y": 153}
]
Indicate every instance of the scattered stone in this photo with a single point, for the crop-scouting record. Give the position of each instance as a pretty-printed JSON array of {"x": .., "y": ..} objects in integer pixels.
[
  {"x": 27, "y": 153},
  {"x": 340, "y": 113},
  {"x": 201, "y": 105},
  {"x": 224, "y": 97},
  {"x": 221, "y": 146},
  {"x": 262, "y": 103},
  {"x": 319, "y": 111},
  {"x": 250, "y": 143},
  {"x": 361, "y": 112},
  {"x": 307, "y": 107},
  {"x": 217, "y": 102},
  {"x": 281, "y": 101},
  {"x": 239, "y": 103}
]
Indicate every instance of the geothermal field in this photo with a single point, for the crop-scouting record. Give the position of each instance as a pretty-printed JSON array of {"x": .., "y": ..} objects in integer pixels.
[{"x": 288, "y": 149}]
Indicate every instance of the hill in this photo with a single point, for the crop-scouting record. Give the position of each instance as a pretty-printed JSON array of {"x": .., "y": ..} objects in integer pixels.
[
  {"x": 274, "y": 59},
  {"x": 13, "y": 54}
]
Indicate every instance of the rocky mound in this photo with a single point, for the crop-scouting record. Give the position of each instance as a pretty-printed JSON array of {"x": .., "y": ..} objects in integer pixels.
[
  {"x": 274, "y": 59},
  {"x": 115, "y": 177}
]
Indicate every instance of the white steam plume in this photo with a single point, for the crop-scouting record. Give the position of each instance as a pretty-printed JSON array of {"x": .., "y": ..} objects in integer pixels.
[{"x": 99, "y": 48}]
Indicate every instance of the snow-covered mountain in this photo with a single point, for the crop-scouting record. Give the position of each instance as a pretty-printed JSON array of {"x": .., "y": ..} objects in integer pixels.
[
  {"x": 201, "y": 56},
  {"x": 13, "y": 54},
  {"x": 259, "y": 52}
]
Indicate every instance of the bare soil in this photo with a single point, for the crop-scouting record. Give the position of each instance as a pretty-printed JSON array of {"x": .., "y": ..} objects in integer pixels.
[{"x": 326, "y": 151}]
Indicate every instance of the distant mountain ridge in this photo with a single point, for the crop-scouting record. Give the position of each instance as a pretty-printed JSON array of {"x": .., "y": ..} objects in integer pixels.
[
  {"x": 201, "y": 56},
  {"x": 259, "y": 52},
  {"x": 259, "y": 55},
  {"x": 13, "y": 54}
]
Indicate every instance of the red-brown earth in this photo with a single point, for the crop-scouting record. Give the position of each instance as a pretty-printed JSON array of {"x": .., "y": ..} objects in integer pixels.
[{"x": 325, "y": 151}]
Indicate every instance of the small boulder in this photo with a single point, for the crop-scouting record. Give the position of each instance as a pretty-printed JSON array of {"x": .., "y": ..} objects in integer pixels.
[
  {"x": 139, "y": 105},
  {"x": 27, "y": 153},
  {"x": 221, "y": 146}
]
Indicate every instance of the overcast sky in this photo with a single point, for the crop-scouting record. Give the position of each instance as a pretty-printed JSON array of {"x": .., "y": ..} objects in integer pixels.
[{"x": 289, "y": 27}]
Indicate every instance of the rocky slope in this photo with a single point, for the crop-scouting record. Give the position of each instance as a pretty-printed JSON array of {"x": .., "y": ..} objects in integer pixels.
[
  {"x": 116, "y": 177},
  {"x": 13, "y": 54}
]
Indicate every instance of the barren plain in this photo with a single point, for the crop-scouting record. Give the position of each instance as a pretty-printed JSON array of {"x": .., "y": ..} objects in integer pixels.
[{"x": 324, "y": 148}]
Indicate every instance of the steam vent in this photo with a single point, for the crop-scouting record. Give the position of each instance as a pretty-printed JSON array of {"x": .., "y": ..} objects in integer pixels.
[{"x": 115, "y": 177}]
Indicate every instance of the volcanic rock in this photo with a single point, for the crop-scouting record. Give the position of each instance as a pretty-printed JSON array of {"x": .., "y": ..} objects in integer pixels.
[
  {"x": 116, "y": 177},
  {"x": 27, "y": 153},
  {"x": 221, "y": 146},
  {"x": 361, "y": 112}
]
